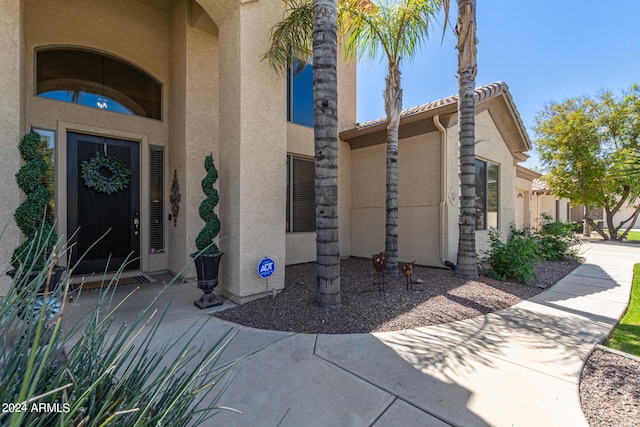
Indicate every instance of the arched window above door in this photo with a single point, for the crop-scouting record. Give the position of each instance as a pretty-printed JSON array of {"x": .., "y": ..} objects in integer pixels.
[{"x": 97, "y": 80}]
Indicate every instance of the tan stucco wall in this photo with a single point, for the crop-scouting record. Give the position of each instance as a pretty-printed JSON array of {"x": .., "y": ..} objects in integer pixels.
[
  {"x": 418, "y": 199},
  {"x": 247, "y": 133},
  {"x": 492, "y": 147},
  {"x": 546, "y": 204},
  {"x": 301, "y": 247},
  {"x": 194, "y": 128},
  {"x": 11, "y": 126},
  {"x": 347, "y": 86},
  {"x": 252, "y": 182},
  {"x": 126, "y": 29},
  {"x": 524, "y": 215},
  {"x": 489, "y": 146}
]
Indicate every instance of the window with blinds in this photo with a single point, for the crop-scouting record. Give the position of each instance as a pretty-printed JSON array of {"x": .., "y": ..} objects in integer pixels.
[
  {"x": 301, "y": 197},
  {"x": 156, "y": 199}
]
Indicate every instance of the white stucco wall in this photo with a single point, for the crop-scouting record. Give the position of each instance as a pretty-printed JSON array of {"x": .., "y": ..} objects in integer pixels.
[{"x": 625, "y": 213}]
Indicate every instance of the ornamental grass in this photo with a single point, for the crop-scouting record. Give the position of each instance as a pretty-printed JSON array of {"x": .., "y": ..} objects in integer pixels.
[{"x": 95, "y": 373}]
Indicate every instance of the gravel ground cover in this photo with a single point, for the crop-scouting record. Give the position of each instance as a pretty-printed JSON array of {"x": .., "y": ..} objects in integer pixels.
[
  {"x": 438, "y": 297},
  {"x": 610, "y": 384},
  {"x": 610, "y": 390}
]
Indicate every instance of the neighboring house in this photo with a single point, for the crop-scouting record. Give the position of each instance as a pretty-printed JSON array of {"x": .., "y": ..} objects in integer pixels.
[
  {"x": 525, "y": 205},
  {"x": 625, "y": 214},
  {"x": 546, "y": 203},
  {"x": 160, "y": 84}
]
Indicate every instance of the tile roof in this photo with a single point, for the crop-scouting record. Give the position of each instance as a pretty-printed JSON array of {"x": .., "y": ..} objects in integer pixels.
[
  {"x": 539, "y": 185},
  {"x": 482, "y": 93}
]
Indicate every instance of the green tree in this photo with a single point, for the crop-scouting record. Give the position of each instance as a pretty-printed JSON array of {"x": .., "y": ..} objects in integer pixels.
[
  {"x": 585, "y": 145},
  {"x": 394, "y": 31},
  {"x": 388, "y": 29},
  {"x": 310, "y": 27}
]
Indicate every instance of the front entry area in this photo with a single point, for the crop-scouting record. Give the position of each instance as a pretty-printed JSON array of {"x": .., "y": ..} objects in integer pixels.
[{"x": 103, "y": 211}]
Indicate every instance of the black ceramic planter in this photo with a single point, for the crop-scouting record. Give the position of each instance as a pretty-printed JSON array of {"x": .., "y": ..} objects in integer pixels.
[
  {"x": 207, "y": 270},
  {"x": 56, "y": 274}
]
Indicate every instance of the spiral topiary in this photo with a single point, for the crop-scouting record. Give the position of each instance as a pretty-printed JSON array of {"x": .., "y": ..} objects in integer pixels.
[
  {"x": 205, "y": 240},
  {"x": 30, "y": 215}
]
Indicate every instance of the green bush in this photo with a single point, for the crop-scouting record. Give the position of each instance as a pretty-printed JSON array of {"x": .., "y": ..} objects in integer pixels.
[
  {"x": 556, "y": 240},
  {"x": 517, "y": 258},
  {"x": 92, "y": 374},
  {"x": 578, "y": 227}
]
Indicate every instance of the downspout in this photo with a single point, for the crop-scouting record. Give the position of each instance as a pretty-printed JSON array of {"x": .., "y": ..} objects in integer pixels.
[{"x": 444, "y": 223}]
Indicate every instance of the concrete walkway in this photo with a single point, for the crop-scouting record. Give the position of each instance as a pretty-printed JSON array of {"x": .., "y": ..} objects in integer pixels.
[{"x": 516, "y": 367}]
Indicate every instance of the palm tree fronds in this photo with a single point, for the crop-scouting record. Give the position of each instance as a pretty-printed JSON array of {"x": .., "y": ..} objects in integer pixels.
[
  {"x": 397, "y": 29},
  {"x": 291, "y": 38}
]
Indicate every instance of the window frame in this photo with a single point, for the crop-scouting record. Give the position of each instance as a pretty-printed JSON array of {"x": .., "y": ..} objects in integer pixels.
[
  {"x": 300, "y": 76},
  {"x": 157, "y": 189},
  {"x": 482, "y": 222},
  {"x": 51, "y": 138},
  {"x": 290, "y": 214},
  {"x": 94, "y": 85}
]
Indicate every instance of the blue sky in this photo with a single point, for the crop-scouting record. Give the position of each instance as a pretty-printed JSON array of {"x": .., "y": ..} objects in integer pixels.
[{"x": 545, "y": 50}]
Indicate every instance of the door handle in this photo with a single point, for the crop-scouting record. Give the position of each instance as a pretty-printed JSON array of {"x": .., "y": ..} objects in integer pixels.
[{"x": 136, "y": 224}]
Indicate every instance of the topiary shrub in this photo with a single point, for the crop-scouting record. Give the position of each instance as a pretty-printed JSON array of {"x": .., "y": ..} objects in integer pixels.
[
  {"x": 30, "y": 216},
  {"x": 205, "y": 240}
]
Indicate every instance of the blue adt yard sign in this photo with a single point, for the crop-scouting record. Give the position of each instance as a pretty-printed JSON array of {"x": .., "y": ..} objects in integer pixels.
[{"x": 266, "y": 267}]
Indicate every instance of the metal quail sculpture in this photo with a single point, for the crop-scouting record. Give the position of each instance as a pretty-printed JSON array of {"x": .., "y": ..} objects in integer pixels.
[
  {"x": 379, "y": 261},
  {"x": 407, "y": 270}
]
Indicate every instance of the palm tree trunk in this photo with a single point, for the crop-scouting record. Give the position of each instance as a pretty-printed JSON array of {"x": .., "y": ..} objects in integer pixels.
[
  {"x": 325, "y": 130},
  {"x": 467, "y": 67},
  {"x": 393, "y": 107}
]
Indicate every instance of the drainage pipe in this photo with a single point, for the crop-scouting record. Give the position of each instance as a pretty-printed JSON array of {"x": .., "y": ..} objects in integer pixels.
[{"x": 444, "y": 220}]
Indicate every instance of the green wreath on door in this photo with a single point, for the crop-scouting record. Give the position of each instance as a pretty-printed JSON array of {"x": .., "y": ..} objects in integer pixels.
[{"x": 117, "y": 179}]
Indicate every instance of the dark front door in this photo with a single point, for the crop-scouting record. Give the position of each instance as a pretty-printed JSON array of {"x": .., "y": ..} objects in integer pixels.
[{"x": 105, "y": 228}]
